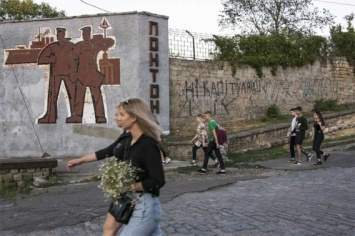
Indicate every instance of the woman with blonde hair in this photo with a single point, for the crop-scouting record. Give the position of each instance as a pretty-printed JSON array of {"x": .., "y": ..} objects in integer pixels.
[{"x": 142, "y": 149}]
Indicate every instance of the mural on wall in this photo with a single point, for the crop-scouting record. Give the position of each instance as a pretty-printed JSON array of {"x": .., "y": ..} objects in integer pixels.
[{"x": 78, "y": 64}]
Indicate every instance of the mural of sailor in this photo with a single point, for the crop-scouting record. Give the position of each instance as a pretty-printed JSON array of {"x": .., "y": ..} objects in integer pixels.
[
  {"x": 87, "y": 74},
  {"x": 58, "y": 56}
]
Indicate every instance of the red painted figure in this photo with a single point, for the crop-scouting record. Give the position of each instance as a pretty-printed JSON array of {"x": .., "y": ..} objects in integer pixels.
[
  {"x": 57, "y": 55},
  {"x": 88, "y": 75}
]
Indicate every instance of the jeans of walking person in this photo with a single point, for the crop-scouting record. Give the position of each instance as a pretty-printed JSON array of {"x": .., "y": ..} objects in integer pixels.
[
  {"x": 194, "y": 152},
  {"x": 142, "y": 222},
  {"x": 292, "y": 146},
  {"x": 210, "y": 148},
  {"x": 317, "y": 141}
]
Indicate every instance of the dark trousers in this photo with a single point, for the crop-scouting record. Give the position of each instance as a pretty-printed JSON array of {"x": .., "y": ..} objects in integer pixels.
[
  {"x": 210, "y": 148},
  {"x": 317, "y": 141},
  {"x": 292, "y": 146},
  {"x": 194, "y": 152}
]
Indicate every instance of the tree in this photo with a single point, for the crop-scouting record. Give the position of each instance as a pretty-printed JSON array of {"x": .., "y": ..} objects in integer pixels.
[
  {"x": 273, "y": 16},
  {"x": 26, "y": 10},
  {"x": 342, "y": 43}
]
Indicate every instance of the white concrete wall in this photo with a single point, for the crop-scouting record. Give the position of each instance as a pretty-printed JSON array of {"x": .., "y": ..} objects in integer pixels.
[{"x": 18, "y": 126}]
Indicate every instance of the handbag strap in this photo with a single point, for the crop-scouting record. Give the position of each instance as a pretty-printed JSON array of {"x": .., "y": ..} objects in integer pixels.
[{"x": 134, "y": 201}]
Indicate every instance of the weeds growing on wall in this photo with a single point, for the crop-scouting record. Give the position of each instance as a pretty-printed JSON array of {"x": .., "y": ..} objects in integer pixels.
[
  {"x": 331, "y": 106},
  {"x": 286, "y": 50},
  {"x": 273, "y": 114},
  {"x": 259, "y": 51}
]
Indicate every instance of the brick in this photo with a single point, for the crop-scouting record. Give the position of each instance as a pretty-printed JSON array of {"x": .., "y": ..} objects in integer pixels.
[
  {"x": 17, "y": 177},
  {"x": 4, "y": 172},
  {"x": 14, "y": 171},
  {"x": 7, "y": 178}
]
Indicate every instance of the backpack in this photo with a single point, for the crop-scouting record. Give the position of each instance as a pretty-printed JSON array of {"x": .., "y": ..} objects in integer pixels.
[{"x": 221, "y": 136}]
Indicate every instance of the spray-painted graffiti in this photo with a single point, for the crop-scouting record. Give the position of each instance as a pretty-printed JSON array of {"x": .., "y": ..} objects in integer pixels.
[
  {"x": 249, "y": 98},
  {"x": 218, "y": 96},
  {"x": 204, "y": 88},
  {"x": 78, "y": 66}
]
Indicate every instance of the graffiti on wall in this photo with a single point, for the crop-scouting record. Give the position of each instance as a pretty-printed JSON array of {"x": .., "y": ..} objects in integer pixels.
[
  {"x": 78, "y": 64},
  {"x": 249, "y": 97}
]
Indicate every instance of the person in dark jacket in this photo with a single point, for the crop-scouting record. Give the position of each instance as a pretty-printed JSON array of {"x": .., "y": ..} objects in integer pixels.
[
  {"x": 318, "y": 137},
  {"x": 140, "y": 147}
]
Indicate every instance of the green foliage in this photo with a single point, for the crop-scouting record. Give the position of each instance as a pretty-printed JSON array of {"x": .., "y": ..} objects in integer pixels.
[
  {"x": 343, "y": 42},
  {"x": 10, "y": 190},
  {"x": 273, "y": 111},
  {"x": 270, "y": 50},
  {"x": 273, "y": 17},
  {"x": 26, "y": 10},
  {"x": 331, "y": 105}
]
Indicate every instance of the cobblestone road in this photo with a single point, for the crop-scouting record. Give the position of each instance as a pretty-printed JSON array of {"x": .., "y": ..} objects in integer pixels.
[{"x": 307, "y": 202}]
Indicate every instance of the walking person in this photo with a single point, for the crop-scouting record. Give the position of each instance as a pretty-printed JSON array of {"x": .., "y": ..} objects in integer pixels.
[
  {"x": 318, "y": 137},
  {"x": 292, "y": 135},
  {"x": 201, "y": 140},
  {"x": 300, "y": 130},
  {"x": 213, "y": 145},
  {"x": 142, "y": 149}
]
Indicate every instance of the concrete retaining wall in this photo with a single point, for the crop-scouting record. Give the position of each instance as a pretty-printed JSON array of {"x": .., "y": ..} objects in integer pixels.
[
  {"x": 338, "y": 124},
  {"x": 198, "y": 86}
]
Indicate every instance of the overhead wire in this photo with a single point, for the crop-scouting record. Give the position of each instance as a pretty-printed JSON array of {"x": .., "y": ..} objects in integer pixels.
[
  {"x": 95, "y": 6},
  {"x": 24, "y": 100},
  {"x": 339, "y": 3}
]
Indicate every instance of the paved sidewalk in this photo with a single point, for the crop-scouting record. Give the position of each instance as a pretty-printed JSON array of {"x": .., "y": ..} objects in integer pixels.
[{"x": 283, "y": 200}]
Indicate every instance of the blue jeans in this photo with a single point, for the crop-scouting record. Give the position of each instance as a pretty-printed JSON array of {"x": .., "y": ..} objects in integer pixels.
[{"x": 146, "y": 217}]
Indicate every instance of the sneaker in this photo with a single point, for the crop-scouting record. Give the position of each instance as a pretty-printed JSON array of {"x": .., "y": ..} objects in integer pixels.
[
  {"x": 167, "y": 160},
  {"x": 163, "y": 162},
  {"x": 291, "y": 160},
  {"x": 325, "y": 156},
  {"x": 216, "y": 164},
  {"x": 298, "y": 163},
  {"x": 201, "y": 172},
  {"x": 221, "y": 172},
  {"x": 193, "y": 164},
  {"x": 318, "y": 163},
  {"x": 309, "y": 157}
]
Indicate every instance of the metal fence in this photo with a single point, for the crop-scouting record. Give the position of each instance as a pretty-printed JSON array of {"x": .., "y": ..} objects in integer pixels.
[{"x": 190, "y": 45}]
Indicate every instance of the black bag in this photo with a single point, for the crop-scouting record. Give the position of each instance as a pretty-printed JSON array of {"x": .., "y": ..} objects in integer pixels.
[{"x": 123, "y": 210}]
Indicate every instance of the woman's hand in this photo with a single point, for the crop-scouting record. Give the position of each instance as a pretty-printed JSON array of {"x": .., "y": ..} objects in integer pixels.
[{"x": 73, "y": 163}]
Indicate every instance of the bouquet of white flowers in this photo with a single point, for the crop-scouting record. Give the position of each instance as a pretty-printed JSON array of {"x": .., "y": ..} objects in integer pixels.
[{"x": 117, "y": 178}]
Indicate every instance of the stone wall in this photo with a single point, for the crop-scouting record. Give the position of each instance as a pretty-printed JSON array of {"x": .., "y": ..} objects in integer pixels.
[
  {"x": 198, "y": 86},
  {"x": 20, "y": 172},
  {"x": 338, "y": 125}
]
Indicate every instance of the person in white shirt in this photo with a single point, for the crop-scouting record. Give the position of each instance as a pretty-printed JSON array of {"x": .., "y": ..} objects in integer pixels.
[{"x": 292, "y": 135}]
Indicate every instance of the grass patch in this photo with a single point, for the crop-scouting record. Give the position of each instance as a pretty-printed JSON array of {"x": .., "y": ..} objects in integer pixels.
[
  {"x": 11, "y": 191},
  {"x": 256, "y": 155}
]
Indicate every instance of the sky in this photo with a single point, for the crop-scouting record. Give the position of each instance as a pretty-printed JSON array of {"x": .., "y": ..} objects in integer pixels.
[{"x": 199, "y": 16}]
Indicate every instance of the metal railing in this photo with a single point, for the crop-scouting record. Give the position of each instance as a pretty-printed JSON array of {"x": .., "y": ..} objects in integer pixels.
[{"x": 190, "y": 45}]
